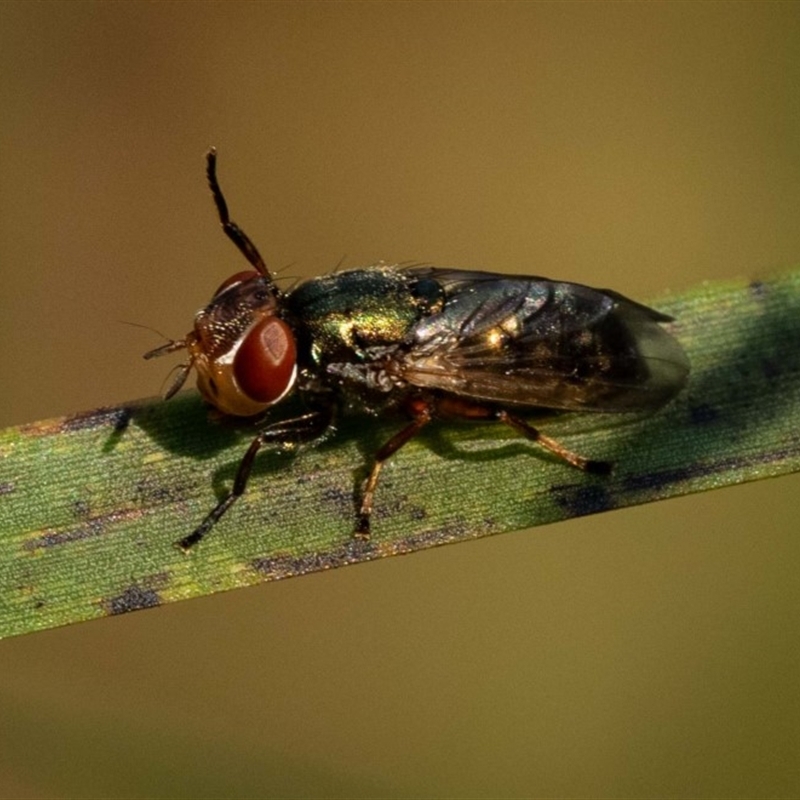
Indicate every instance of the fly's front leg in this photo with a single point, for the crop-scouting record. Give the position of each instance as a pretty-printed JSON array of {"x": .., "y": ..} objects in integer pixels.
[
  {"x": 299, "y": 429},
  {"x": 422, "y": 416}
]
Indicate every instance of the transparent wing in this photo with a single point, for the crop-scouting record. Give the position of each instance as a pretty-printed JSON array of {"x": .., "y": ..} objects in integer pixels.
[{"x": 533, "y": 342}]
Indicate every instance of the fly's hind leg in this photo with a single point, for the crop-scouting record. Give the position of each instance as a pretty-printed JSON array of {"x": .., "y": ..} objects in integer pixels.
[
  {"x": 556, "y": 448},
  {"x": 423, "y": 411},
  {"x": 460, "y": 408}
]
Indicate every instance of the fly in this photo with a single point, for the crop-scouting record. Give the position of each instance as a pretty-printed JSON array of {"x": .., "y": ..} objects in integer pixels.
[{"x": 421, "y": 343}]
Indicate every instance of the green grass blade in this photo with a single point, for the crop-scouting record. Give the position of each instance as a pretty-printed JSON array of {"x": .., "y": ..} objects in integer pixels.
[{"x": 90, "y": 505}]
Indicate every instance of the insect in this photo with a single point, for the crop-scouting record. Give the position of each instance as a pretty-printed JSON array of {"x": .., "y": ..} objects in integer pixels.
[{"x": 422, "y": 343}]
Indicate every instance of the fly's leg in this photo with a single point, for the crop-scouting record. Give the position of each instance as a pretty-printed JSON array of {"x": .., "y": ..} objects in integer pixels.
[
  {"x": 304, "y": 428},
  {"x": 529, "y": 432},
  {"x": 232, "y": 230},
  {"x": 465, "y": 409},
  {"x": 425, "y": 410},
  {"x": 422, "y": 417}
]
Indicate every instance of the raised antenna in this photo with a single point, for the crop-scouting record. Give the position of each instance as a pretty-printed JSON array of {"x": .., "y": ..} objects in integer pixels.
[{"x": 232, "y": 230}]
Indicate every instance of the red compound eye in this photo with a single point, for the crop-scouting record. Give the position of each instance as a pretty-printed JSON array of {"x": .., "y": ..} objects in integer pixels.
[
  {"x": 239, "y": 277},
  {"x": 264, "y": 365}
]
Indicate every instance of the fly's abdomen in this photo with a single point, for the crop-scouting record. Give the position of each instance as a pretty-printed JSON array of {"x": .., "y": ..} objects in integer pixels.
[{"x": 530, "y": 342}]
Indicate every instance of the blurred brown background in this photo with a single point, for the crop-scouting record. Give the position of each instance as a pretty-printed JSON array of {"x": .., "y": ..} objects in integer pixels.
[{"x": 651, "y": 652}]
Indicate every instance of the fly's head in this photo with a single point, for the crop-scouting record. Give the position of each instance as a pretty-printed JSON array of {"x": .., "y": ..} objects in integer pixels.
[{"x": 244, "y": 353}]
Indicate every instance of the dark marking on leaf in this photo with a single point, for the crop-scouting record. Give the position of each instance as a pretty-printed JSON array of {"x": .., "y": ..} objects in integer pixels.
[
  {"x": 96, "y": 526},
  {"x": 151, "y": 492},
  {"x": 286, "y": 566},
  {"x": 581, "y": 500},
  {"x": 771, "y": 369},
  {"x": 390, "y": 508},
  {"x": 117, "y": 417},
  {"x": 120, "y": 426},
  {"x": 759, "y": 289},
  {"x": 454, "y": 531},
  {"x": 133, "y": 598},
  {"x": 7, "y": 487},
  {"x": 342, "y": 500},
  {"x": 123, "y": 420},
  {"x": 718, "y": 466},
  {"x": 657, "y": 480},
  {"x": 80, "y": 508},
  {"x": 355, "y": 550},
  {"x": 703, "y": 414}
]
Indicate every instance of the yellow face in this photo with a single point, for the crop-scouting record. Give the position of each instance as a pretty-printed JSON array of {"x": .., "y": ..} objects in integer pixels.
[{"x": 245, "y": 355}]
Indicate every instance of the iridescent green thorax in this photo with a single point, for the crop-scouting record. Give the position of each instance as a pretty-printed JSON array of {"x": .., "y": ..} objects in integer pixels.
[{"x": 347, "y": 314}]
